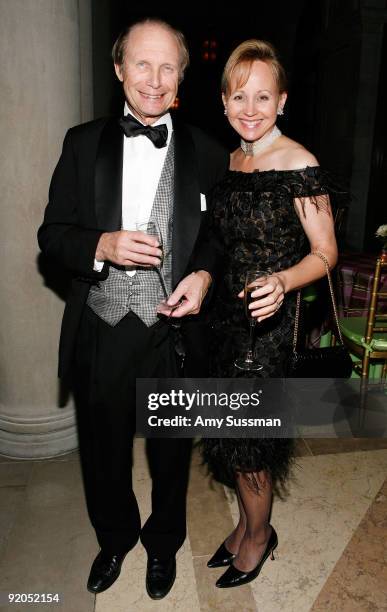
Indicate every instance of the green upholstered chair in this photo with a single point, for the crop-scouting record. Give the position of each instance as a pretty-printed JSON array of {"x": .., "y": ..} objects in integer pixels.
[
  {"x": 309, "y": 293},
  {"x": 366, "y": 337}
]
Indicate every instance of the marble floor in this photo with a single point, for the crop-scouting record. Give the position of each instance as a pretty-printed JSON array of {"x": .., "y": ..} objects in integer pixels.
[{"x": 332, "y": 528}]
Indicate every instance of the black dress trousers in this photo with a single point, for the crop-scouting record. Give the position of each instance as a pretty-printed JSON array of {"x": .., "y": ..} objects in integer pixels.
[{"x": 107, "y": 362}]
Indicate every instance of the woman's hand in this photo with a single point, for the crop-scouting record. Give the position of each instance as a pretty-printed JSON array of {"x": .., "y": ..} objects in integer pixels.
[{"x": 269, "y": 298}]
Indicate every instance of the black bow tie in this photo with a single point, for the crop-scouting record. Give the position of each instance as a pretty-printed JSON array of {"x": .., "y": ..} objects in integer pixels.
[{"x": 157, "y": 134}]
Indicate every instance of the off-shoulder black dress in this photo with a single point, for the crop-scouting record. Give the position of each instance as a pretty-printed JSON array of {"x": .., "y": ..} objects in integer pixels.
[{"x": 254, "y": 218}]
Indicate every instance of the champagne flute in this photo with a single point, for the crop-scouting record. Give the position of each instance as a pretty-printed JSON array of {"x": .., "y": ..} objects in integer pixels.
[
  {"x": 152, "y": 228},
  {"x": 253, "y": 280}
]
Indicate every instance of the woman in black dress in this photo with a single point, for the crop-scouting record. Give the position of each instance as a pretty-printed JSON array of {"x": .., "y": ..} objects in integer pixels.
[{"x": 270, "y": 211}]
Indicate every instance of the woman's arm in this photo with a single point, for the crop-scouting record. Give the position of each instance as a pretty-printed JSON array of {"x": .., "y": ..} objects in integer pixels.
[
  {"x": 318, "y": 226},
  {"x": 317, "y": 222}
]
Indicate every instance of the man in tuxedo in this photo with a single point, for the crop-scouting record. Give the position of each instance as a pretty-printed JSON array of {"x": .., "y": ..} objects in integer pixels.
[{"x": 113, "y": 173}]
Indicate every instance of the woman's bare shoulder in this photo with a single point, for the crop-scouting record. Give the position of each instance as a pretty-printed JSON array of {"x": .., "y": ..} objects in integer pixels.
[{"x": 294, "y": 156}]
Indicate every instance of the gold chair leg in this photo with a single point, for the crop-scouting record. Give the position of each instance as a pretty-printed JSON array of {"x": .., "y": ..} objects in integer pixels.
[
  {"x": 364, "y": 373},
  {"x": 362, "y": 405},
  {"x": 365, "y": 365}
]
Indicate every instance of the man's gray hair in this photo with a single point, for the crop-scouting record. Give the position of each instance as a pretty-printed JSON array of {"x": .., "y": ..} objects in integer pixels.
[{"x": 119, "y": 47}]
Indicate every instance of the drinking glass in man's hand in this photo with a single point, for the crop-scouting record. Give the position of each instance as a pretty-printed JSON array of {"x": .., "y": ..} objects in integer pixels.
[{"x": 152, "y": 228}]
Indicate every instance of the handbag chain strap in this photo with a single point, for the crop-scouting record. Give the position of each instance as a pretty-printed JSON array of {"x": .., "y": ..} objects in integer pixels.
[{"x": 297, "y": 317}]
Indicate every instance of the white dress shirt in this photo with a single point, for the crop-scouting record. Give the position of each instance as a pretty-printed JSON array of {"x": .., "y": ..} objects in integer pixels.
[{"x": 142, "y": 167}]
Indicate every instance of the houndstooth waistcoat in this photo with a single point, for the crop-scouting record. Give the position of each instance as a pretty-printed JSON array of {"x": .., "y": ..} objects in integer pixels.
[{"x": 119, "y": 294}]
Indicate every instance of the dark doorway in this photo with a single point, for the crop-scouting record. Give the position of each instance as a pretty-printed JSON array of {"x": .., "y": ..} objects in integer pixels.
[{"x": 377, "y": 196}]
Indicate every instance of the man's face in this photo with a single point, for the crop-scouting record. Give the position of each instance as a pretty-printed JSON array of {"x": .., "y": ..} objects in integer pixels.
[{"x": 150, "y": 71}]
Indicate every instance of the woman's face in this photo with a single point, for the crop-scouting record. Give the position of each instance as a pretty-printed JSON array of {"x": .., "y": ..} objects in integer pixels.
[{"x": 252, "y": 108}]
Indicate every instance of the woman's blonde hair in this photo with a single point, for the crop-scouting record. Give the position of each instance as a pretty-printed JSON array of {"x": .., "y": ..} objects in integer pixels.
[{"x": 241, "y": 59}]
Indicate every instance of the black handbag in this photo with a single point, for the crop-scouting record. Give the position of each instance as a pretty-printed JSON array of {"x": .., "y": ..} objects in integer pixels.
[{"x": 328, "y": 362}]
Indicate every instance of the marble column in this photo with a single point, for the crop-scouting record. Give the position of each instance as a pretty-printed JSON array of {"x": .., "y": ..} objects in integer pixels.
[{"x": 46, "y": 85}]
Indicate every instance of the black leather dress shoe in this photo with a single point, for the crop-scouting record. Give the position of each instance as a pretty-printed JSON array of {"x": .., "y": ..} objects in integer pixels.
[
  {"x": 160, "y": 576},
  {"x": 221, "y": 558},
  {"x": 105, "y": 570},
  {"x": 234, "y": 577}
]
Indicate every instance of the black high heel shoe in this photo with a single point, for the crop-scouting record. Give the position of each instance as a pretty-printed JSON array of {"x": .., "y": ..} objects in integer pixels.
[
  {"x": 221, "y": 558},
  {"x": 233, "y": 577}
]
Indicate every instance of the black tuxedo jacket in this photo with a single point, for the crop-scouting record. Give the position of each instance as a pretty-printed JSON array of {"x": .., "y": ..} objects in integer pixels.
[{"x": 85, "y": 200}]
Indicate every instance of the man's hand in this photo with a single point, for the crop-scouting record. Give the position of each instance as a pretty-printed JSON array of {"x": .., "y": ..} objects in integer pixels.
[
  {"x": 128, "y": 249},
  {"x": 191, "y": 292}
]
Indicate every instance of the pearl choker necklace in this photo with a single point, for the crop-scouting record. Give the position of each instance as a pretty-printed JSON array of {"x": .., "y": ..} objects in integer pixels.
[{"x": 252, "y": 148}]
